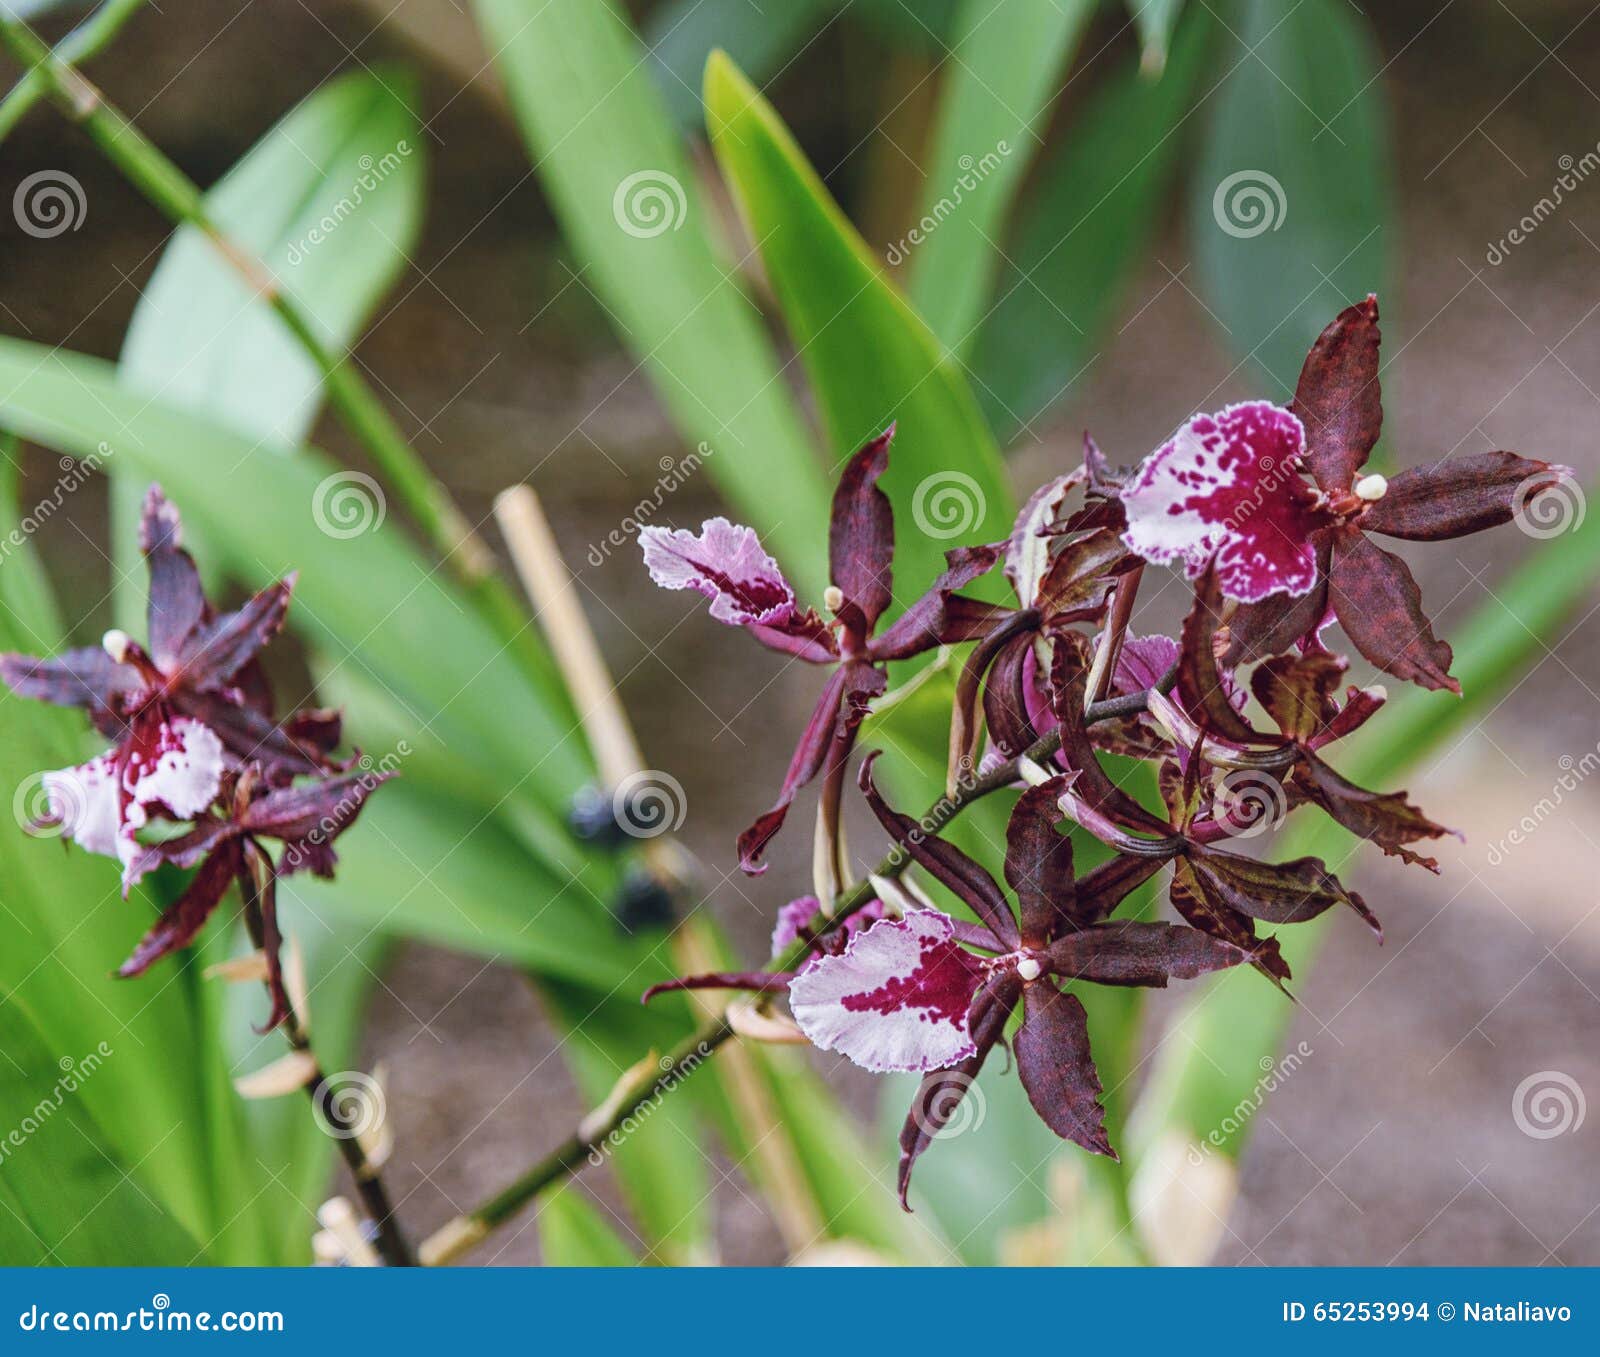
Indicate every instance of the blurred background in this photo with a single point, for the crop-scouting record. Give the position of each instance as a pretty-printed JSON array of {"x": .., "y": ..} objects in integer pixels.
[{"x": 1111, "y": 279}]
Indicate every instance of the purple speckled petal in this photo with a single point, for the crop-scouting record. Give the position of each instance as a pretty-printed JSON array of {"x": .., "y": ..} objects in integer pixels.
[{"x": 724, "y": 562}]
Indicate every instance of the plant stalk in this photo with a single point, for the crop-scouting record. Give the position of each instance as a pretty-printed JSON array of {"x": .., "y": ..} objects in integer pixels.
[{"x": 392, "y": 1244}]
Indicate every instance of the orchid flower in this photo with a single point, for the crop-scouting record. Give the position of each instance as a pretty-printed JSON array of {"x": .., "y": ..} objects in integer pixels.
[
  {"x": 1228, "y": 490},
  {"x": 726, "y": 563},
  {"x": 194, "y": 741}
]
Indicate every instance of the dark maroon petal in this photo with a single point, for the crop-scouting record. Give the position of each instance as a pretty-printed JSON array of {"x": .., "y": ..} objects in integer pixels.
[
  {"x": 1127, "y": 952},
  {"x": 941, "y": 1092},
  {"x": 1202, "y": 692},
  {"x": 1380, "y": 608},
  {"x": 257, "y": 868},
  {"x": 1206, "y": 909},
  {"x": 1039, "y": 863},
  {"x": 965, "y": 729},
  {"x": 1274, "y": 892},
  {"x": 1339, "y": 399},
  {"x": 861, "y": 537},
  {"x": 309, "y": 817},
  {"x": 185, "y": 917},
  {"x": 1360, "y": 705},
  {"x": 1093, "y": 785},
  {"x": 1460, "y": 495},
  {"x": 803, "y": 635},
  {"x": 1108, "y": 885},
  {"x": 938, "y": 617},
  {"x": 945, "y": 862},
  {"x": 76, "y": 678},
  {"x": 1081, "y": 576},
  {"x": 1057, "y": 1069},
  {"x": 220, "y": 648},
  {"x": 1278, "y": 624},
  {"x": 176, "y": 604},
  {"x": 1005, "y": 698},
  {"x": 1297, "y": 692},
  {"x": 760, "y": 982},
  {"x": 183, "y": 851},
  {"x": 830, "y": 733},
  {"x": 1388, "y": 820},
  {"x": 1143, "y": 662}
]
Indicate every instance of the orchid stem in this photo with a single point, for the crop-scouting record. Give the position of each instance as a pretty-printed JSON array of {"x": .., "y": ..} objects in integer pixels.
[
  {"x": 179, "y": 199},
  {"x": 87, "y": 40},
  {"x": 392, "y": 1245},
  {"x": 589, "y": 1144}
]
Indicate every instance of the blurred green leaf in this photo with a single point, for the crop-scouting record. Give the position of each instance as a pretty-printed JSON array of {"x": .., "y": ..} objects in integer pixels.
[
  {"x": 1086, "y": 225},
  {"x": 330, "y": 201},
  {"x": 1154, "y": 20},
  {"x": 625, "y": 194},
  {"x": 67, "y": 1197},
  {"x": 1289, "y": 204},
  {"x": 573, "y": 1234},
  {"x": 1004, "y": 72},
  {"x": 681, "y": 34},
  {"x": 928, "y": 25},
  {"x": 869, "y": 358}
]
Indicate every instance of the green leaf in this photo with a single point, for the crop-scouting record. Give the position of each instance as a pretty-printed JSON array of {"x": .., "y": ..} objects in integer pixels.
[
  {"x": 1004, "y": 72},
  {"x": 681, "y": 34},
  {"x": 1155, "y": 20},
  {"x": 573, "y": 1234},
  {"x": 927, "y": 26},
  {"x": 68, "y": 1197},
  {"x": 1289, "y": 210},
  {"x": 1078, "y": 237},
  {"x": 625, "y": 194},
  {"x": 330, "y": 201},
  {"x": 869, "y": 358}
]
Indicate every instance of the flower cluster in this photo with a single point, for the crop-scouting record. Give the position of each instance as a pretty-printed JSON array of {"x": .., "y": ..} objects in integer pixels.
[
  {"x": 199, "y": 770},
  {"x": 1269, "y": 512}
]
